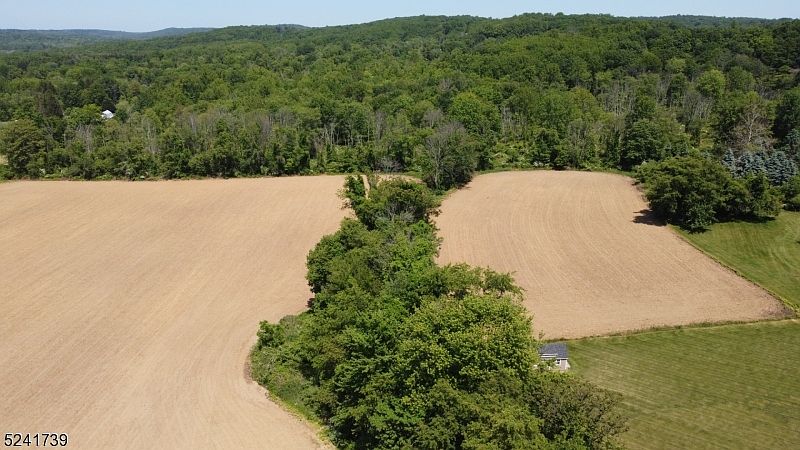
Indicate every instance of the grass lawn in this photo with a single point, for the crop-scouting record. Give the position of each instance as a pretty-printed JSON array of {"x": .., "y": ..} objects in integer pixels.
[
  {"x": 730, "y": 386},
  {"x": 767, "y": 253}
]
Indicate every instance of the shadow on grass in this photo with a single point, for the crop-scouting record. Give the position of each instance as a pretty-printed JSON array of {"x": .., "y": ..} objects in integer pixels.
[
  {"x": 648, "y": 217},
  {"x": 751, "y": 219}
]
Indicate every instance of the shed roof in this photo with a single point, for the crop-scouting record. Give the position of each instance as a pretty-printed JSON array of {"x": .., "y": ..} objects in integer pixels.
[{"x": 554, "y": 349}]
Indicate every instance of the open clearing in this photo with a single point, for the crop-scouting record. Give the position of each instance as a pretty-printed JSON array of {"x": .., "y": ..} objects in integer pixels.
[
  {"x": 732, "y": 386},
  {"x": 129, "y": 308},
  {"x": 589, "y": 258}
]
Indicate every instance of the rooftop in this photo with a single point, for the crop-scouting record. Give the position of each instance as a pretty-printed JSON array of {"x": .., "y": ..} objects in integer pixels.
[{"x": 556, "y": 350}]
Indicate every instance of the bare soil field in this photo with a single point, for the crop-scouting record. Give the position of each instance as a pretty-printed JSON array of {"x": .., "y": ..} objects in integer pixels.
[
  {"x": 129, "y": 309},
  {"x": 589, "y": 258}
]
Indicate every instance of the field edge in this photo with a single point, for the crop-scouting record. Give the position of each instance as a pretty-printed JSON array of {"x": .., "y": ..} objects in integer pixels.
[
  {"x": 792, "y": 311},
  {"x": 319, "y": 429}
]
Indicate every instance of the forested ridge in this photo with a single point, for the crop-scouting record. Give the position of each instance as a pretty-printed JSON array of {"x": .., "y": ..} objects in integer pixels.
[
  {"x": 12, "y": 40},
  {"x": 440, "y": 96}
]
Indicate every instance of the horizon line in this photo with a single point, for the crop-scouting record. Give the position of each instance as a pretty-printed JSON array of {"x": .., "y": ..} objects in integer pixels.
[{"x": 209, "y": 28}]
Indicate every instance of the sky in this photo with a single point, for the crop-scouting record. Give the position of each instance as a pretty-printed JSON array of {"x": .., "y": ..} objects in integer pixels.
[{"x": 150, "y": 15}]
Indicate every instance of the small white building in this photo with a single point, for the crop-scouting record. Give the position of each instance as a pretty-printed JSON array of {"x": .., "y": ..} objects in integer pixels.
[
  {"x": 556, "y": 352},
  {"x": 107, "y": 114}
]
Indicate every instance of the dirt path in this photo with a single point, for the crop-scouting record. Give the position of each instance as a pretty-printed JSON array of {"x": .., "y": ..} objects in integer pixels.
[
  {"x": 588, "y": 259},
  {"x": 129, "y": 308}
]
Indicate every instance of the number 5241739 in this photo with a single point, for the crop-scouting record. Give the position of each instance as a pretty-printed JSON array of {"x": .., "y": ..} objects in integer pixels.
[{"x": 35, "y": 439}]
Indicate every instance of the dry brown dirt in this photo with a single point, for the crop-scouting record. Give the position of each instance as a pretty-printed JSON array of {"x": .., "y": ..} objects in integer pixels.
[
  {"x": 128, "y": 309},
  {"x": 588, "y": 258}
]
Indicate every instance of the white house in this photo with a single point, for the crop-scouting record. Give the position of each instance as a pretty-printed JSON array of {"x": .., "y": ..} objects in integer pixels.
[
  {"x": 556, "y": 352},
  {"x": 107, "y": 114}
]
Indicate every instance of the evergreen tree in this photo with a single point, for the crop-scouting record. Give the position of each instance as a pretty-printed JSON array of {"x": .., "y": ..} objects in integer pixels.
[
  {"x": 751, "y": 163},
  {"x": 779, "y": 168},
  {"x": 730, "y": 162},
  {"x": 792, "y": 145}
]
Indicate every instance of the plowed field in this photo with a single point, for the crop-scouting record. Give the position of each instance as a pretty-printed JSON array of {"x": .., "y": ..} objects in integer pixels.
[
  {"x": 589, "y": 257},
  {"x": 128, "y": 309}
]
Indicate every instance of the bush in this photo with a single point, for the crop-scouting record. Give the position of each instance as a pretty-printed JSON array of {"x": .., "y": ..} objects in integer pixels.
[
  {"x": 791, "y": 189},
  {"x": 269, "y": 335},
  {"x": 793, "y": 204}
]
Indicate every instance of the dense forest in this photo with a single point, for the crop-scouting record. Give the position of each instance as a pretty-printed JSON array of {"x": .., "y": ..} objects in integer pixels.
[
  {"x": 398, "y": 352},
  {"x": 28, "y": 40},
  {"x": 439, "y": 96}
]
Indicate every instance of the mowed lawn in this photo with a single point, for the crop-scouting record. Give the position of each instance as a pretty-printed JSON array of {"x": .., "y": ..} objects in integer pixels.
[
  {"x": 767, "y": 253},
  {"x": 730, "y": 386}
]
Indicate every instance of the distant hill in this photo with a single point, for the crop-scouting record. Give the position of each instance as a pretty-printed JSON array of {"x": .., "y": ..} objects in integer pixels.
[
  {"x": 712, "y": 21},
  {"x": 27, "y": 40},
  {"x": 398, "y": 28}
]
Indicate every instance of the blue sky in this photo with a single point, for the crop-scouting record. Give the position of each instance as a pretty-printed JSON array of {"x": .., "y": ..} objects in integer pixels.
[{"x": 148, "y": 15}]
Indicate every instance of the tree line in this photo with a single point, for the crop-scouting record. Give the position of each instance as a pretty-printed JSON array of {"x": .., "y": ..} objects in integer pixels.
[
  {"x": 440, "y": 96},
  {"x": 397, "y": 352}
]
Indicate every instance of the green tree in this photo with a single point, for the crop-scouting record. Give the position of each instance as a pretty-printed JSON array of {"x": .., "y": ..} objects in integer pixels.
[
  {"x": 791, "y": 193},
  {"x": 787, "y": 114},
  {"x": 644, "y": 141},
  {"x": 477, "y": 115},
  {"x": 447, "y": 158},
  {"x": 86, "y": 115},
  {"x": 792, "y": 145},
  {"x": 688, "y": 191},
  {"x": 22, "y": 143},
  {"x": 390, "y": 201},
  {"x": 763, "y": 201},
  {"x": 712, "y": 84},
  {"x": 742, "y": 121}
]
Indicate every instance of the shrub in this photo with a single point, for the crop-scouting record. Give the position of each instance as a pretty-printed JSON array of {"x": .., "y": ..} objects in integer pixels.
[
  {"x": 793, "y": 204},
  {"x": 791, "y": 189},
  {"x": 270, "y": 335}
]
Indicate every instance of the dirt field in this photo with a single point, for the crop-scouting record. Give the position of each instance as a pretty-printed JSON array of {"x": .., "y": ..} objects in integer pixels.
[
  {"x": 589, "y": 260},
  {"x": 128, "y": 309}
]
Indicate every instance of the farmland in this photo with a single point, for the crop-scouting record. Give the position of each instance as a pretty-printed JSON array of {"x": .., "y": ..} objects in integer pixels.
[
  {"x": 727, "y": 386},
  {"x": 732, "y": 386},
  {"x": 129, "y": 308},
  {"x": 589, "y": 257}
]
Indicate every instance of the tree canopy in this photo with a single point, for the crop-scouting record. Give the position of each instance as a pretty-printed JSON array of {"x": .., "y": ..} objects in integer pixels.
[
  {"x": 440, "y": 96},
  {"x": 397, "y": 352}
]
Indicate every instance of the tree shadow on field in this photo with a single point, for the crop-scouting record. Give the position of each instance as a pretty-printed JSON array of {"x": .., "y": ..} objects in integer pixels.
[
  {"x": 648, "y": 217},
  {"x": 765, "y": 219}
]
